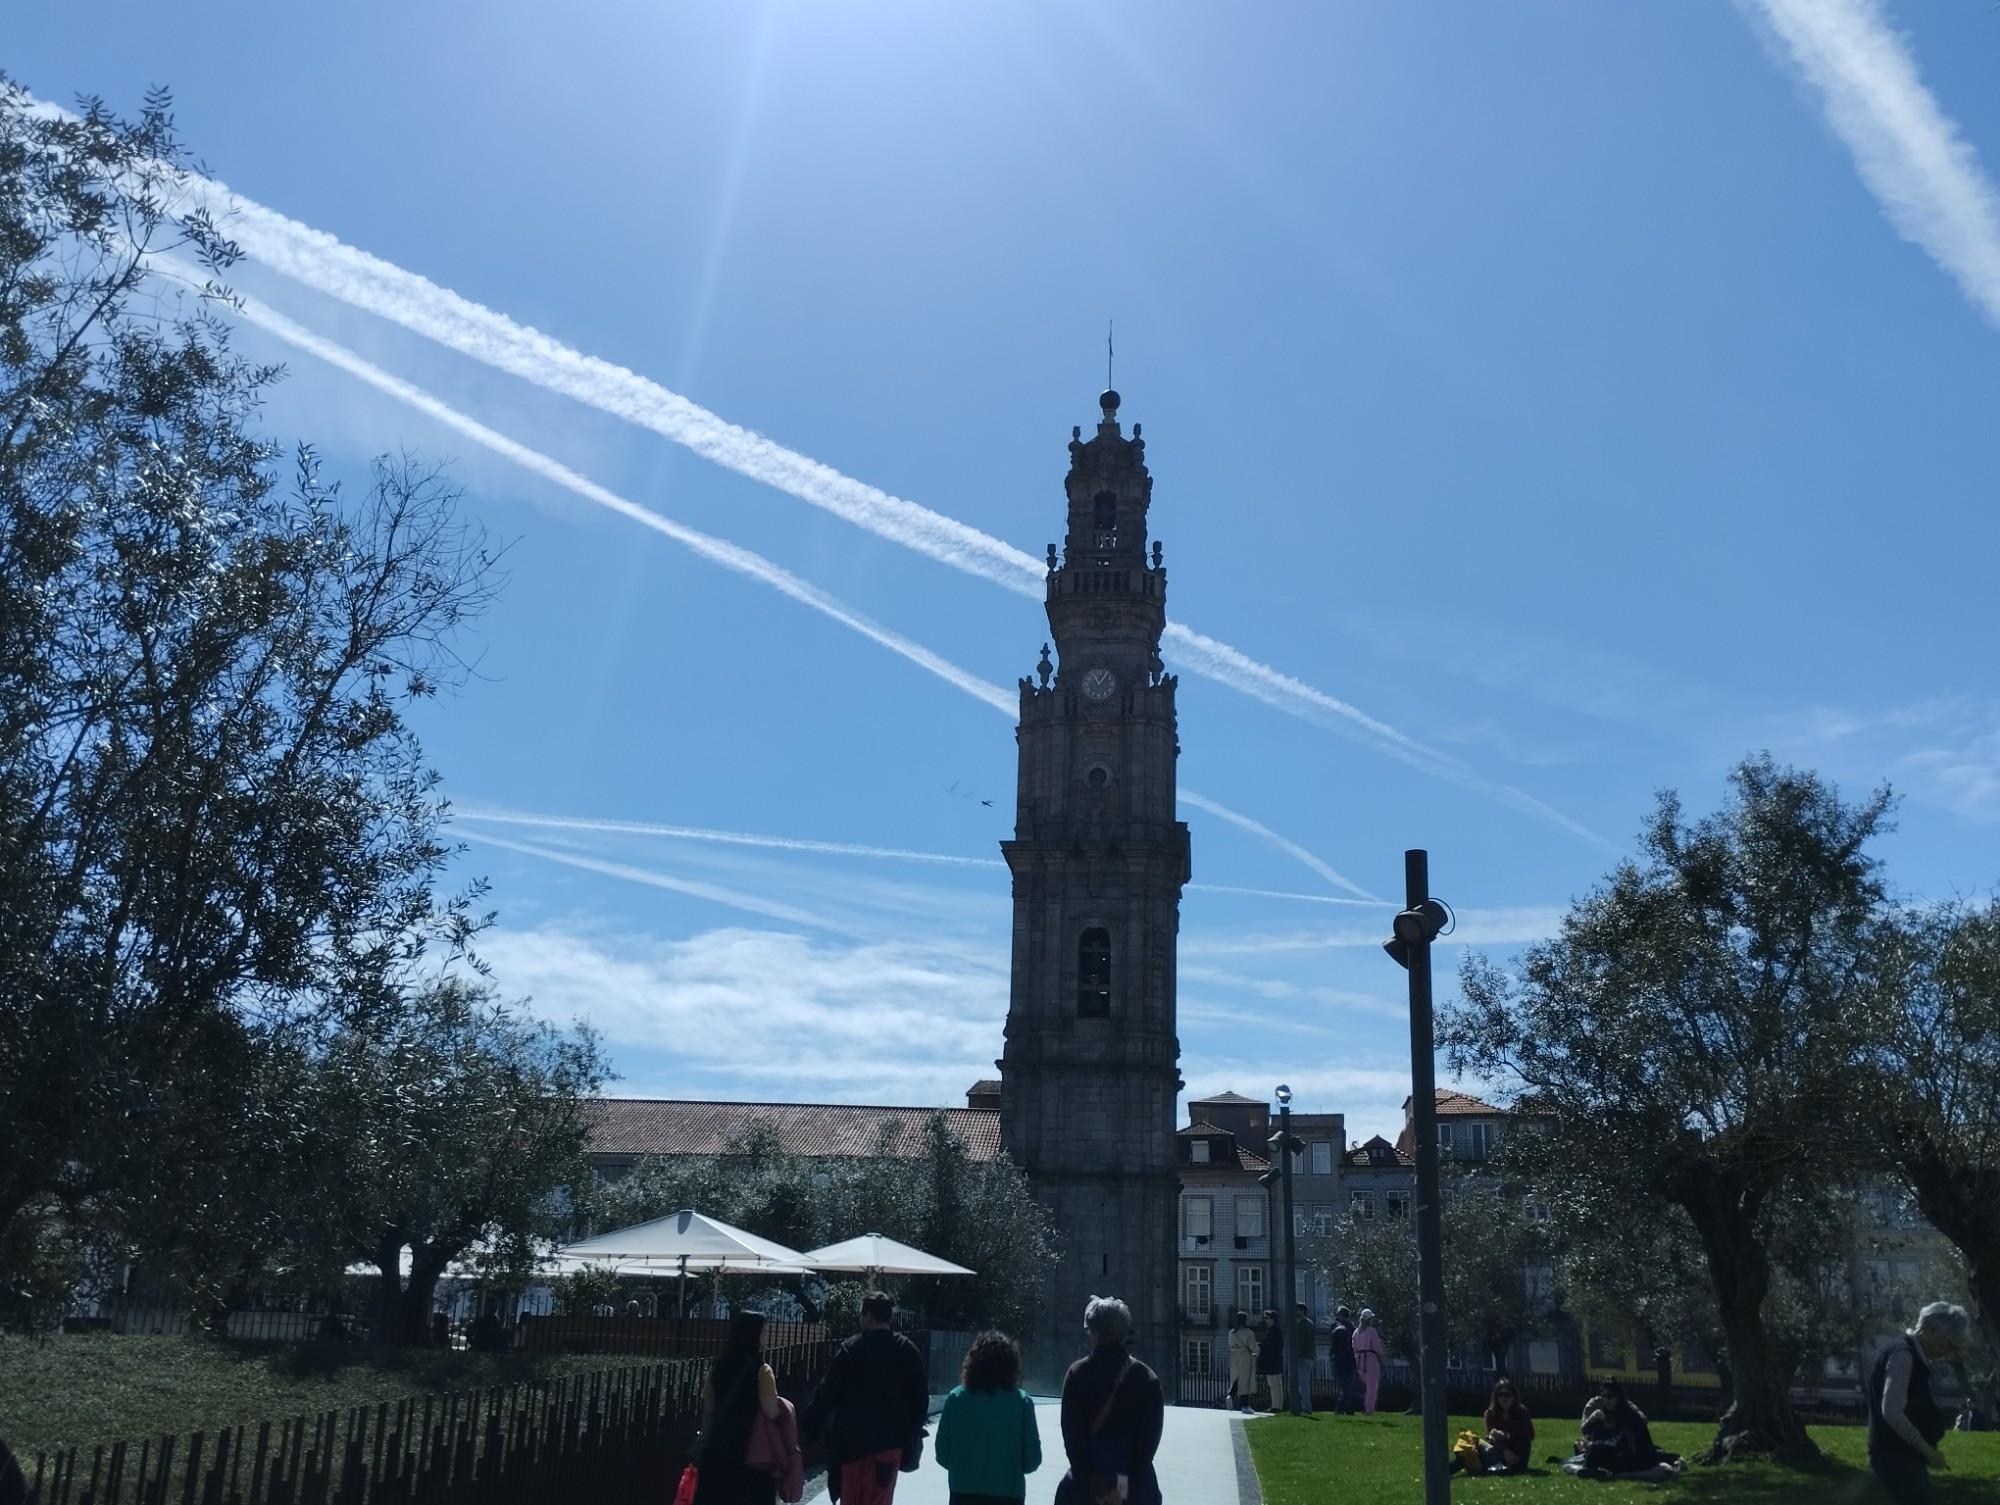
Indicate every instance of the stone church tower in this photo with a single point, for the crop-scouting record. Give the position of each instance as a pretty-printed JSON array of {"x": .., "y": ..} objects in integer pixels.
[{"x": 1091, "y": 1068}]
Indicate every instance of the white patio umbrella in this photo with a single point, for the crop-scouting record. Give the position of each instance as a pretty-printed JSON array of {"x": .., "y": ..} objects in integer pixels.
[
  {"x": 680, "y": 1242},
  {"x": 875, "y": 1254}
]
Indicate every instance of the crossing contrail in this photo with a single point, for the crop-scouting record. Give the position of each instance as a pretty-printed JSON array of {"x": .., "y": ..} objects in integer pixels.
[
  {"x": 325, "y": 263},
  {"x": 729, "y": 838},
  {"x": 722, "y": 552}
]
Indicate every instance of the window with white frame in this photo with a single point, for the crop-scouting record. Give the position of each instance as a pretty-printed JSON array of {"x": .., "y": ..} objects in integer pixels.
[
  {"x": 1480, "y": 1139},
  {"x": 1322, "y": 1158},
  {"x": 1199, "y": 1357},
  {"x": 1198, "y": 1290},
  {"x": 1249, "y": 1217},
  {"x": 1322, "y": 1217},
  {"x": 1444, "y": 1138},
  {"x": 1199, "y": 1213},
  {"x": 1361, "y": 1204},
  {"x": 1535, "y": 1211},
  {"x": 1398, "y": 1204},
  {"x": 1198, "y": 1151},
  {"x": 1250, "y": 1289}
]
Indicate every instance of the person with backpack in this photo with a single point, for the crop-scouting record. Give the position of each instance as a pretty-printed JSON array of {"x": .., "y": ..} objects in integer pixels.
[
  {"x": 740, "y": 1388},
  {"x": 987, "y": 1437},
  {"x": 870, "y": 1408},
  {"x": 1112, "y": 1414}
]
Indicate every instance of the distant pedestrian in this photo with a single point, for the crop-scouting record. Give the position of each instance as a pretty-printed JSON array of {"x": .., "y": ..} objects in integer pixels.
[
  {"x": 489, "y": 1334},
  {"x": 1112, "y": 1414},
  {"x": 1905, "y": 1425},
  {"x": 1340, "y": 1355},
  {"x": 1305, "y": 1349},
  {"x": 1242, "y": 1363},
  {"x": 1271, "y": 1359},
  {"x": 440, "y": 1330},
  {"x": 869, "y": 1408},
  {"x": 740, "y": 1388},
  {"x": 987, "y": 1437},
  {"x": 1370, "y": 1359}
]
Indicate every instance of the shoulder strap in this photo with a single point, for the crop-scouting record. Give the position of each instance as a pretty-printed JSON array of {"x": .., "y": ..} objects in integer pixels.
[{"x": 1104, "y": 1411}]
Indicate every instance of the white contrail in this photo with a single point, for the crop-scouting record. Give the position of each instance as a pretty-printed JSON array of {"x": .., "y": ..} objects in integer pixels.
[
  {"x": 1280, "y": 893},
  {"x": 323, "y": 262},
  {"x": 1258, "y": 828},
  {"x": 1221, "y": 662},
  {"x": 713, "y": 892},
  {"x": 1907, "y": 150},
  {"x": 722, "y": 552},
  {"x": 730, "y": 838}
]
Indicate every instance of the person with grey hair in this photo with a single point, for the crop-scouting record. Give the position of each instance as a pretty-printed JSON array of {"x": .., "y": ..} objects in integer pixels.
[
  {"x": 1112, "y": 1413},
  {"x": 1905, "y": 1425}
]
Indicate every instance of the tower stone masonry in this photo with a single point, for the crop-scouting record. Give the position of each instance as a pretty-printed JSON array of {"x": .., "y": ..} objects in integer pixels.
[{"x": 1091, "y": 1067}]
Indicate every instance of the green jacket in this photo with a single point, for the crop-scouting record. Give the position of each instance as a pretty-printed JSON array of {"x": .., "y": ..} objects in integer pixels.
[{"x": 988, "y": 1441}]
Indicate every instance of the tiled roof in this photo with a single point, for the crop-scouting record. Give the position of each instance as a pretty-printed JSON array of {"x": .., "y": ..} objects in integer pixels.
[
  {"x": 985, "y": 1087},
  {"x": 1230, "y": 1097},
  {"x": 1377, "y": 1152},
  {"x": 1246, "y": 1160},
  {"x": 1460, "y": 1104},
  {"x": 630, "y": 1126}
]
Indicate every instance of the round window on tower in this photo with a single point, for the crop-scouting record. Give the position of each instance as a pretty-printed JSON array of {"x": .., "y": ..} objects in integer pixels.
[{"x": 1098, "y": 777}]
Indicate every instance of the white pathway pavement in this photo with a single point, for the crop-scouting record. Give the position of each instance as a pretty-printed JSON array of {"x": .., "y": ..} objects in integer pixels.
[{"x": 1197, "y": 1463}]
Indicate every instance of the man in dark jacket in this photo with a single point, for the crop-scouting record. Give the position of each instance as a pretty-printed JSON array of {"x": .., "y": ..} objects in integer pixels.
[
  {"x": 1340, "y": 1350},
  {"x": 870, "y": 1406},
  {"x": 1112, "y": 1413},
  {"x": 1905, "y": 1424}
]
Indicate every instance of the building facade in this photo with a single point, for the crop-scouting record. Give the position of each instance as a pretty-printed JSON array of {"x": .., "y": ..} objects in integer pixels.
[{"x": 1090, "y": 1071}]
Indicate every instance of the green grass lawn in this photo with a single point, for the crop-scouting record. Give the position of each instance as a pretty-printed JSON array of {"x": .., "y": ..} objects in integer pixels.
[
  {"x": 1377, "y": 1460},
  {"x": 99, "y": 1387}
]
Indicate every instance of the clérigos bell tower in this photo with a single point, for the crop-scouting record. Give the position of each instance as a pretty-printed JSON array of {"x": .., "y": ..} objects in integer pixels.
[{"x": 1091, "y": 1068}]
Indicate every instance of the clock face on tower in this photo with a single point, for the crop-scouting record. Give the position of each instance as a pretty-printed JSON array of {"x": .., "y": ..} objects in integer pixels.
[{"x": 1100, "y": 683}]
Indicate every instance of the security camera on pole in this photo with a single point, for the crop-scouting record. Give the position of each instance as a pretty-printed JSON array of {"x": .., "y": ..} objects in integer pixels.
[
  {"x": 1421, "y": 922},
  {"x": 1284, "y": 1145}
]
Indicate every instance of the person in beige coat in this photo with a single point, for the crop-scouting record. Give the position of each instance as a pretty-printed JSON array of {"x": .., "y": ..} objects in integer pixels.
[{"x": 1242, "y": 1363}]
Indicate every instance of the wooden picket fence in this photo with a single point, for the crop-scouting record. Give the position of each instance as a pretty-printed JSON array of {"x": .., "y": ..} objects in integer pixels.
[{"x": 611, "y": 1437}]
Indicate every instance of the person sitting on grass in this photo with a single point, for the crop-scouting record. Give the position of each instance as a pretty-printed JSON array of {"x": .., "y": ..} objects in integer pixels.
[
  {"x": 1616, "y": 1439},
  {"x": 1510, "y": 1431}
]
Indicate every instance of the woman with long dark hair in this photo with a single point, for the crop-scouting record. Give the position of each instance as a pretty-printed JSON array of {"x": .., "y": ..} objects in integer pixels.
[
  {"x": 987, "y": 1438},
  {"x": 1510, "y": 1430},
  {"x": 739, "y": 1386}
]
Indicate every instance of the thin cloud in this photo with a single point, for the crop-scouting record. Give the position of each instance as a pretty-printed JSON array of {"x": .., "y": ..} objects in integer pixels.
[
  {"x": 1280, "y": 893},
  {"x": 1264, "y": 832},
  {"x": 1515, "y": 926},
  {"x": 1908, "y": 151},
  {"x": 714, "y": 892}
]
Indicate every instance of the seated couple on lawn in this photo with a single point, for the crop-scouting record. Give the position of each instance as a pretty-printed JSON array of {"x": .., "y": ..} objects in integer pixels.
[{"x": 1616, "y": 1440}]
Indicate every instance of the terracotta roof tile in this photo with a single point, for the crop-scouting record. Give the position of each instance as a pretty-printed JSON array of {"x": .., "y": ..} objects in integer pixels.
[
  {"x": 629, "y": 1126},
  {"x": 1377, "y": 1152},
  {"x": 1230, "y": 1097}
]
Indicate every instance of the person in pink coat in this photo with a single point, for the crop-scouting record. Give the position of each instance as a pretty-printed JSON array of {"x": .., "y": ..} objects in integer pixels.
[{"x": 1369, "y": 1359}]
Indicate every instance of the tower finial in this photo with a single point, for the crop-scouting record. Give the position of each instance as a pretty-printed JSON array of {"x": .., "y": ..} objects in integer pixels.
[{"x": 1108, "y": 382}]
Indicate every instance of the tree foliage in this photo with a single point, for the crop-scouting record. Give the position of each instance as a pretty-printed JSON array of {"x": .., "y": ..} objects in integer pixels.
[
  {"x": 217, "y": 832},
  {"x": 1693, "y": 1033},
  {"x": 979, "y": 1214}
]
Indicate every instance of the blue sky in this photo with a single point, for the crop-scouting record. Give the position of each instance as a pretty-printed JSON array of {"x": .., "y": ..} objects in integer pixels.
[{"x": 1590, "y": 395}]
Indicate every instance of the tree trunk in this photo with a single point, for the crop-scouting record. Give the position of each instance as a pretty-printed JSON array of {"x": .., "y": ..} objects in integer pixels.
[
  {"x": 1759, "y": 1418},
  {"x": 388, "y": 1302},
  {"x": 413, "y": 1311},
  {"x": 1963, "y": 1204}
]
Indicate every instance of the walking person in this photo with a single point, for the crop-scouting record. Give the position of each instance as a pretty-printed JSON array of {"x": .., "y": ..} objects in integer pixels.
[
  {"x": 1905, "y": 1424},
  {"x": 740, "y": 1388},
  {"x": 1271, "y": 1359},
  {"x": 1340, "y": 1354},
  {"x": 1305, "y": 1349},
  {"x": 1370, "y": 1359},
  {"x": 1242, "y": 1363},
  {"x": 869, "y": 1408},
  {"x": 987, "y": 1437},
  {"x": 1112, "y": 1414}
]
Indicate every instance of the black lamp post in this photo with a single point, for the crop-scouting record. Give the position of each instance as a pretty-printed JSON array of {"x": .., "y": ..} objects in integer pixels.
[
  {"x": 1283, "y": 1147},
  {"x": 1420, "y": 923}
]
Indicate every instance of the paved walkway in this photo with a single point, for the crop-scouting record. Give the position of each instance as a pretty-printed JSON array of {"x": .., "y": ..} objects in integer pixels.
[{"x": 1197, "y": 1463}]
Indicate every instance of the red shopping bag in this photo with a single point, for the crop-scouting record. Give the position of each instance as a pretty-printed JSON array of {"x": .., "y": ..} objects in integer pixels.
[{"x": 685, "y": 1494}]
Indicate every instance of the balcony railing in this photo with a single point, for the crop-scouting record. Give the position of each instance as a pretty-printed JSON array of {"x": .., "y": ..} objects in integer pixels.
[{"x": 1197, "y": 1316}]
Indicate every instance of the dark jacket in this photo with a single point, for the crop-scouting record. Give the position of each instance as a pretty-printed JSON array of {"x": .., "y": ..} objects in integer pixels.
[
  {"x": 874, "y": 1397},
  {"x": 1340, "y": 1347},
  {"x": 1922, "y": 1411},
  {"x": 1271, "y": 1351},
  {"x": 1136, "y": 1418}
]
